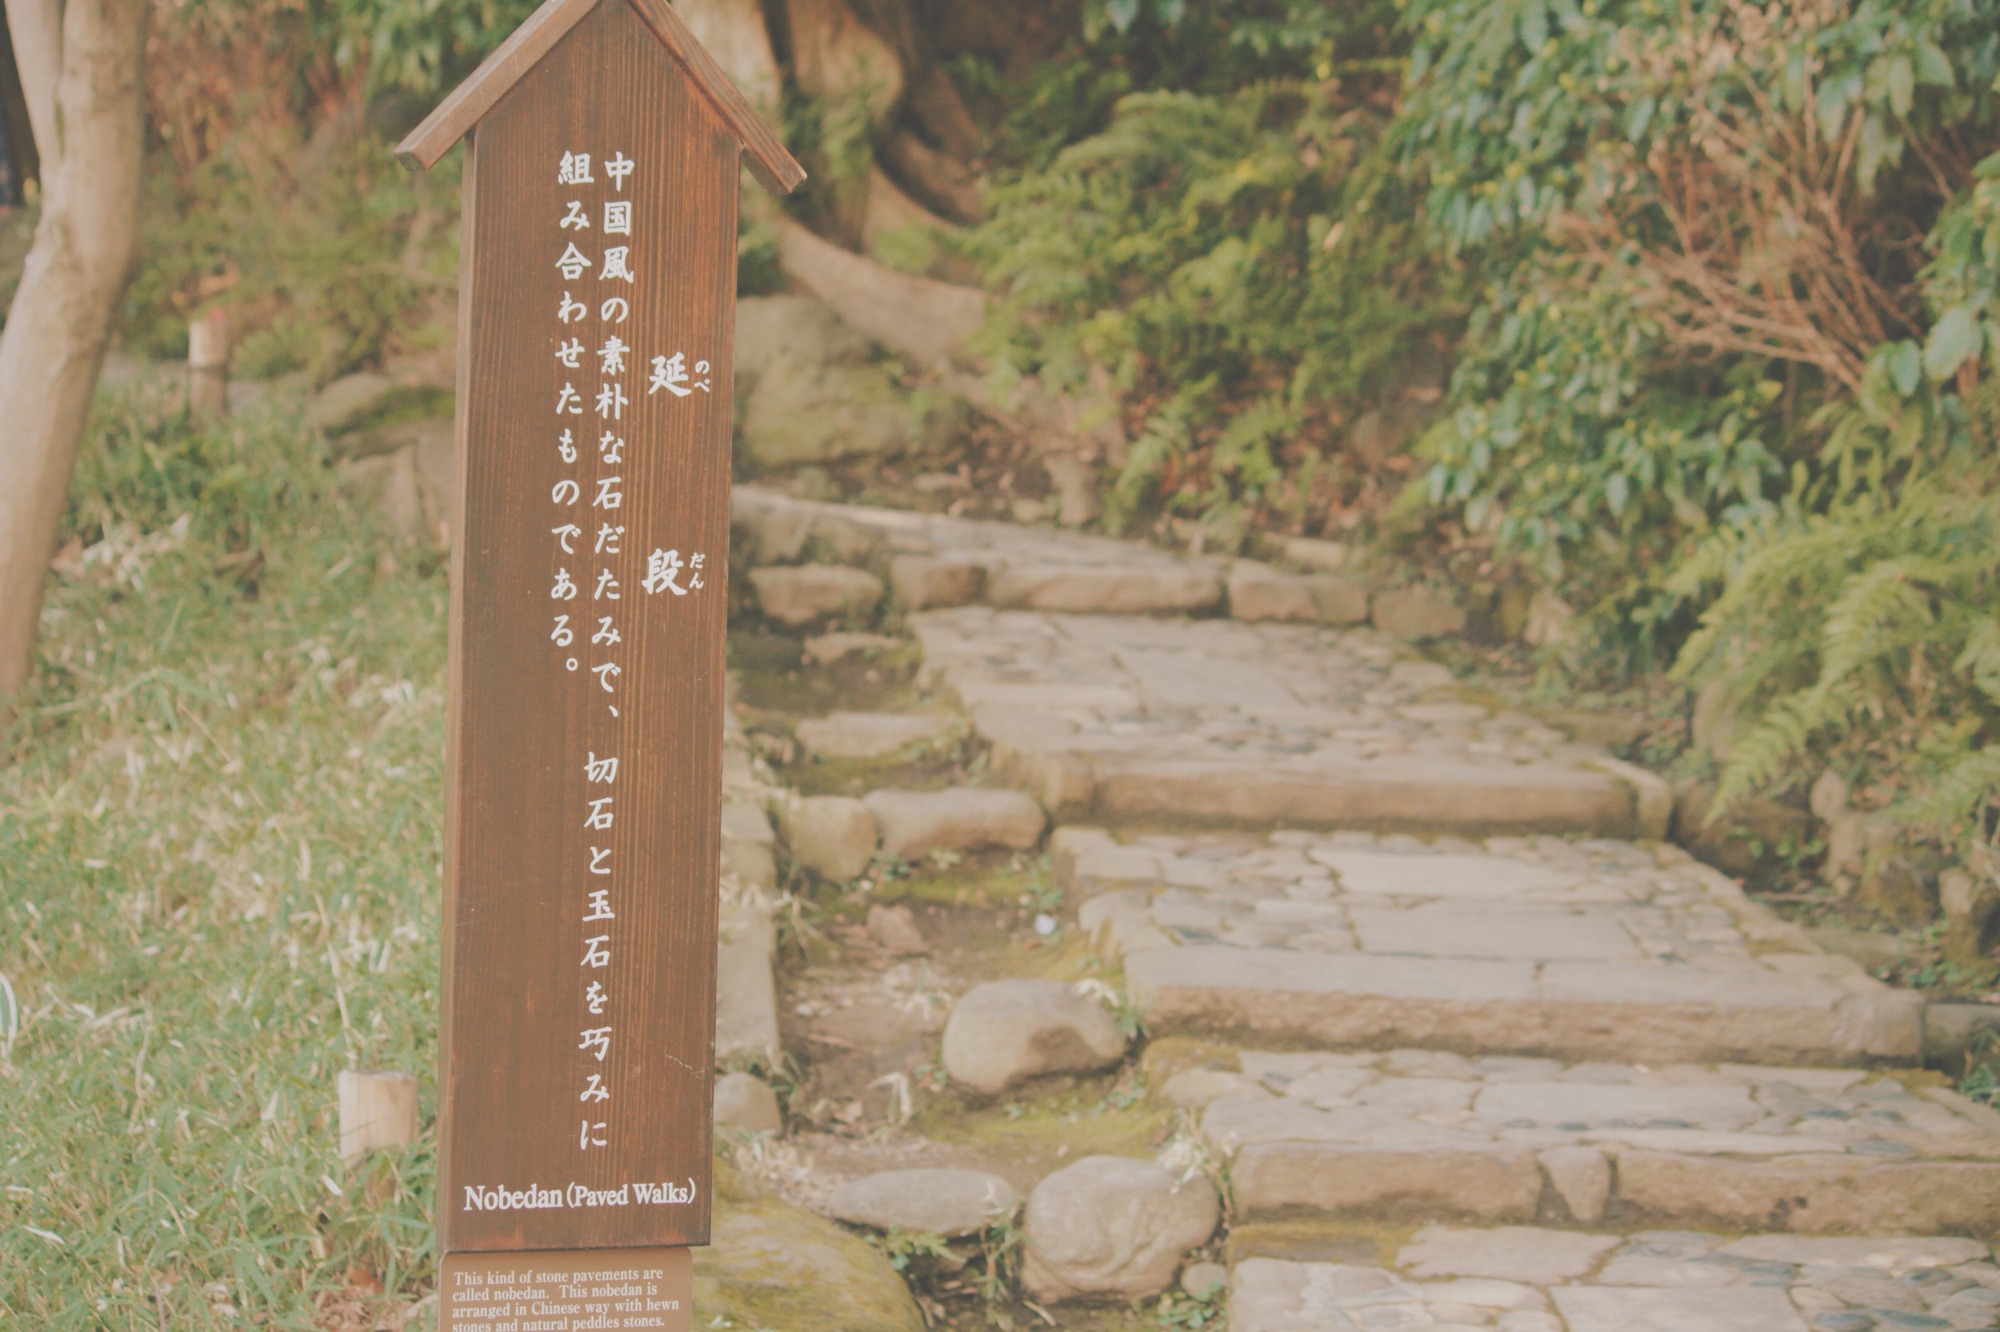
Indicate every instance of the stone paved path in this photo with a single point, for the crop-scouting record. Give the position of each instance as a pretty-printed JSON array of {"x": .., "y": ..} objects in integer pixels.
[
  {"x": 1591, "y": 949},
  {"x": 1528, "y": 1280},
  {"x": 1459, "y": 1033},
  {"x": 1217, "y": 721},
  {"x": 1502, "y": 1138}
]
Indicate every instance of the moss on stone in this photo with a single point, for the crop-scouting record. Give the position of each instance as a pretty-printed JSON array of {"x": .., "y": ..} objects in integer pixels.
[{"x": 772, "y": 1265}]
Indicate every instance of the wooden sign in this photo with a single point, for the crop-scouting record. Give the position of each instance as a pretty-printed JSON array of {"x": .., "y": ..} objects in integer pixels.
[
  {"x": 597, "y": 304},
  {"x": 567, "y": 1291}
]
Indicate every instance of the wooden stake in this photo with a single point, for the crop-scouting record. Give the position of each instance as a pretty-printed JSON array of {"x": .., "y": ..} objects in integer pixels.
[
  {"x": 208, "y": 366},
  {"x": 378, "y": 1108}
]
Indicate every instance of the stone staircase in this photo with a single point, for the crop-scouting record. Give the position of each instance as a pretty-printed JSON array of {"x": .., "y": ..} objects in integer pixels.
[{"x": 1411, "y": 958}]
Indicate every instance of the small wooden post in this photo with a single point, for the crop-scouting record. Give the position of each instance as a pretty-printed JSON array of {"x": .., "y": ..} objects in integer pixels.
[
  {"x": 208, "y": 366},
  {"x": 378, "y": 1108},
  {"x": 590, "y": 531}
]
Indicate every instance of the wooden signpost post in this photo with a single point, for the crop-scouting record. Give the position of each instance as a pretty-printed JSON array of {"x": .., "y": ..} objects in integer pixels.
[{"x": 582, "y": 826}]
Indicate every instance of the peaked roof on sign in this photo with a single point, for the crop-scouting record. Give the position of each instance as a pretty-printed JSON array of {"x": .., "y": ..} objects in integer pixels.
[{"x": 766, "y": 157}]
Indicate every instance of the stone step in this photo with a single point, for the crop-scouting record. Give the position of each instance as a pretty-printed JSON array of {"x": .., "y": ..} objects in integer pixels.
[
  {"x": 1522, "y": 1279},
  {"x": 746, "y": 999},
  {"x": 1424, "y": 1134},
  {"x": 934, "y": 560},
  {"x": 1132, "y": 720},
  {"x": 1519, "y": 945}
]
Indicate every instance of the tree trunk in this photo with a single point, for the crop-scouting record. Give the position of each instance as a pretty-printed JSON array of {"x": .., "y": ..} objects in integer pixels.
[{"x": 89, "y": 122}]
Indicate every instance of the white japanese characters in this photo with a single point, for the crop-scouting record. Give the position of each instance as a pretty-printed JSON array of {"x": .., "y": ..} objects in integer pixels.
[{"x": 592, "y": 564}]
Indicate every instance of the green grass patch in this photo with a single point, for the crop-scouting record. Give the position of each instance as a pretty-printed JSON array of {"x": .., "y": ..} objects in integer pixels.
[{"x": 219, "y": 861}]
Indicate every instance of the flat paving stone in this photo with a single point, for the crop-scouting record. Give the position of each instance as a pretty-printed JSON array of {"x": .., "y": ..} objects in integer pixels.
[
  {"x": 1134, "y": 720},
  {"x": 1695, "y": 1282},
  {"x": 1429, "y": 1133},
  {"x": 1518, "y": 945},
  {"x": 1513, "y": 1253},
  {"x": 1671, "y": 1309}
]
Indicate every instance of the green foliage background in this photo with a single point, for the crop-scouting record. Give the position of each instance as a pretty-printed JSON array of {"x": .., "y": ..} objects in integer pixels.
[
  {"x": 1718, "y": 281},
  {"x": 1217, "y": 232}
]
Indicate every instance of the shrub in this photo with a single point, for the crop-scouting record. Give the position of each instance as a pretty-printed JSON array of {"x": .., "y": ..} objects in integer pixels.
[
  {"x": 1696, "y": 223},
  {"x": 1191, "y": 255}
]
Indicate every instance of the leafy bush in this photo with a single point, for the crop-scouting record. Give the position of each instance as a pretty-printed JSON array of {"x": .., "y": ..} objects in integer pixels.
[
  {"x": 1860, "y": 617},
  {"x": 1696, "y": 223},
  {"x": 272, "y": 192},
  {"x": 1190, "y": 254},
  {"x": 322, "y": 274}
]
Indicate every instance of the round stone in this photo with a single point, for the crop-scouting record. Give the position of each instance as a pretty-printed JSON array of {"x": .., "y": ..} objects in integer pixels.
[
  {"x": 1112, "y": 1226},
  {"x": 925, "y": 1201},
  {"x": 1003, "y": 1032}
]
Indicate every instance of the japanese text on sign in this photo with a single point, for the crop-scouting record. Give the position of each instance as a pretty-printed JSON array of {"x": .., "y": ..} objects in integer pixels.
[{"x": 604, "y": 574}]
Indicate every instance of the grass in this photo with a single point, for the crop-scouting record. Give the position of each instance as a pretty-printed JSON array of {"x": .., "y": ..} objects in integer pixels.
[{"x": 219, "y": 836}]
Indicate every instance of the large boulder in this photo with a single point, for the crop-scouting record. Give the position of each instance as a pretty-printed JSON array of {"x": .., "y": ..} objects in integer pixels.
[
  {"x": 805, "y": 412},
  {"x": 770, "y": 1264},
  {"x": 771, "y": 330},
  {"x": 1004, "y": 1032},
  {"x": 932, "y": 1202},
  {"x": 1112, "y": 1227},
  {"x": 807, "y": 388}
]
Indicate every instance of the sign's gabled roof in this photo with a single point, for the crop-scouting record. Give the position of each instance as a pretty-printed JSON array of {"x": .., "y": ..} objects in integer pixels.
[{"x": 765, "y": 156}]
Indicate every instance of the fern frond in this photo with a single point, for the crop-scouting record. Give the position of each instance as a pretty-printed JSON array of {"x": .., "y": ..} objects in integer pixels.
[
  {"x": 1759, "y": 758},
  {"x": 1878, "y": 611},
  {"x": 1958, "y": 794},
  {"x": 1980, "y": 658}
]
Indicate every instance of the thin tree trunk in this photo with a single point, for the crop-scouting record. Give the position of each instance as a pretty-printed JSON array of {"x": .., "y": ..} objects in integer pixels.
[
  {"x": 35, "y": 27},
  {"x": 85, "y": 244}
]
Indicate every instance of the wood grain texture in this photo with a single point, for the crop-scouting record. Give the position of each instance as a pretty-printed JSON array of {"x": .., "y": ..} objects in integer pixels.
[
  {"x": 518, "y": 851},
  {"x": 454, "y": 117},
  {"x": 461, "y": 109},
  {"x": 768, "y": 161}
]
